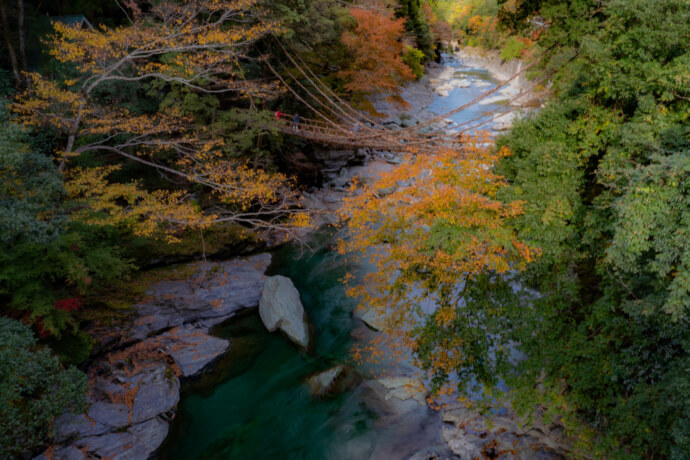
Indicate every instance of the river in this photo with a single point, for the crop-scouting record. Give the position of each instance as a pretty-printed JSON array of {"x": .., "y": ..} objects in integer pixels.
[{"x": 255, "y": 404}]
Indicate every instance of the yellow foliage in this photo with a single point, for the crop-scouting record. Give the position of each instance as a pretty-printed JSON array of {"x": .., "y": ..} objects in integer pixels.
[
  {"x": 199, "y": 45},
  {"x": 441, "y": 225},
  {"x": 128, "y": 205}
]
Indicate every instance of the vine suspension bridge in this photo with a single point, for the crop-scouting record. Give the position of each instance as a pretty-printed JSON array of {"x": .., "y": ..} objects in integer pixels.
[{"x": 339, "y": 124}]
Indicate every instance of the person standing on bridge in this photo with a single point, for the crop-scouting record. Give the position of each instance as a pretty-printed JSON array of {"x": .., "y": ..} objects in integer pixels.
[
  {"x": 278, "y": 114},
  {"x": 295, "y": 122}
]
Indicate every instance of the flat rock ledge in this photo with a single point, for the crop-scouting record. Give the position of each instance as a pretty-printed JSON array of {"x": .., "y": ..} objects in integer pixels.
[
  {"x": 280, "y": 307},
  {"x": 216, "y": 293},
  {"x": 135, "y": 390}
]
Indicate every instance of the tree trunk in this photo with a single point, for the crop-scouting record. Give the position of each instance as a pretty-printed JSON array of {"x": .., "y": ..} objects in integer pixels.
[
  {"x": 8, "y": 41},
  {"x": 22, "y": 48}
]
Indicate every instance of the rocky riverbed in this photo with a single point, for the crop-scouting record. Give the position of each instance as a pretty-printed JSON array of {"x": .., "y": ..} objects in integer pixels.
[{"x": 168, "y": 340}]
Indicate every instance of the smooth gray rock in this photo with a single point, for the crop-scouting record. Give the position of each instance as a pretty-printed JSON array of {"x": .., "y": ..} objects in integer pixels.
[
  {"x": 109, "y": 414},
  {"x": 150, "y": 434},
  {"x": 460, "y": 445},
  {"x": 404, "y": 388},
  {"x": 69, "y": 426},
  {"x": 64, "y": 453},
  {"x": 379, "y": 399},
  {"x": 216, "y": 291},
  {"x": 432, "y": 454},
  {"x": 192, "y": 349},
  {"x": 312, "y": 202},
  {"x": 137, "y": 443},
  {"x": 280, "y": 308},
  {"x": 103, "y": 417},
  {"x": 141, "y": 378},
  {"x": 158, "y": 392}
]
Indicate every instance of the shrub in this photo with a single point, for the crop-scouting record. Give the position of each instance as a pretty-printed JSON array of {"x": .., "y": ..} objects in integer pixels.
[
  {"x": 512, "y": 49},
  {"x": 413, "y": 58},
  {"x": 34, "y": 389}
]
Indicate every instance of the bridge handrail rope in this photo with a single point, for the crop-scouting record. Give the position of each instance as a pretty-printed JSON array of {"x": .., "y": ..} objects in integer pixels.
[
  {"x": 312, "y": 81},
  {"x": 355, "y": 114},
  {"x": 300, "y": 98}
]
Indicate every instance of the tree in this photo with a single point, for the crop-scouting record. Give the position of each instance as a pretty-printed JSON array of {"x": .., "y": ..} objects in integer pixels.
[
  {"x": 34, "y": 390},
  {"x": 4, "y": 17},
  {"x": 603, "y": 172},
  {"x": 198, "y": 47},
  {"x": 436, "y": 244},
  {"x": 377, "y": 63},
  {"x": 30, "y": 189},
  {"x": 45, "y": 256},
  {"x": 416, "y": 23}
]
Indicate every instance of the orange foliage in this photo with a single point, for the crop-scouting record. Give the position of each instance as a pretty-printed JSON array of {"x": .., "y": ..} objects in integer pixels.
[
  {"x": 199, "y": 45},
  {"x": 377, "y": 53},
  {"x": 443, "y": 224},
  {"x": 475, "y": 24}
]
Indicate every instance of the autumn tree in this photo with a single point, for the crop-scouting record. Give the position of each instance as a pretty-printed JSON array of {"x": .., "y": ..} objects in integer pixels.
[
  {"x": 190, "y": 51},
  {"x": 475, "y": 24},
  {"x": 376, "y": 49},
  {"x": 437, "y": 235}
]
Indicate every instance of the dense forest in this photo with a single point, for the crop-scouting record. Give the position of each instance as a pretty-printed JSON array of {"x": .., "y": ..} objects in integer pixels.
[{"x": 136, "y": 134}]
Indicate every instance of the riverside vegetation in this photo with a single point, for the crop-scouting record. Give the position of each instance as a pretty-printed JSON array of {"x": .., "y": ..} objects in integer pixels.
[{"x": 151, "y": 137}]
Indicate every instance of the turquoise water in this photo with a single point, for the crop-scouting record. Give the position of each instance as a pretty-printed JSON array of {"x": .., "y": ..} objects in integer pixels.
[
  {"x": 260, "y": 407},
  {"x": 255, "y": 404}
]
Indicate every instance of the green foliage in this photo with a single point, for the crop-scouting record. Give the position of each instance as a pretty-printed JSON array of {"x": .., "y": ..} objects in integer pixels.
[
  {"x": 605, "y": 174},
  {"x": 512, "y": 49},
  {"x": 30, "y": 189},
  {"x": 413, "y": 58},
  {"x": 313, "y": 29},
  {"x": 219, "y": 240},
  {"x": 34, "y": 276},
  {"x": 43, "y": 257},
  {"x": 34, "y": 390}
]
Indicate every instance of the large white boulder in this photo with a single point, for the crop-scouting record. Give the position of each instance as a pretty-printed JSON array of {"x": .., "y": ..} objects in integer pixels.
[{"x": 280, "y": 308}]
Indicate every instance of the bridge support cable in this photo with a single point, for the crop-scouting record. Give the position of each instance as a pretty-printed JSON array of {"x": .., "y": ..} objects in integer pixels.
[
  {"x": 356, "y": 114},
  {"x": 301, "y": 99}
]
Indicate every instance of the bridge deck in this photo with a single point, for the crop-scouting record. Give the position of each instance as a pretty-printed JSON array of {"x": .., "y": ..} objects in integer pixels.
[{"x": 360, "y": 136}]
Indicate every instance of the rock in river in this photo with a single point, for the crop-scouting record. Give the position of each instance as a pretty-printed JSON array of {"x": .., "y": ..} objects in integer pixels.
[
  {"x": 280, "y": 308},
  {"x": 191, "y": 348},
  {"x": 371, "y": 317},
  {"x": 322, "y": 383}
]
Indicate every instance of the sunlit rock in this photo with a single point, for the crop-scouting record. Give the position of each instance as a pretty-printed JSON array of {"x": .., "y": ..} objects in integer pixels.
[{"x": 280, "y": 308}]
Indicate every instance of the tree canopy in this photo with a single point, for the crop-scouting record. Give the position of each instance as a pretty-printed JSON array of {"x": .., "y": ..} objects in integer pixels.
[{"x": 590, "y": 279}]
